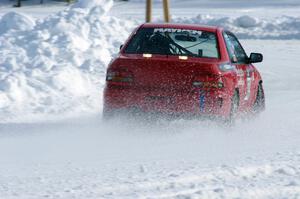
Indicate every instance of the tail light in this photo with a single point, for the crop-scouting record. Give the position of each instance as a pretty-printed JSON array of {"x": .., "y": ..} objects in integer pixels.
[
  {"x": 119, "y": 76},
  {"x": 208, "y": 82}
]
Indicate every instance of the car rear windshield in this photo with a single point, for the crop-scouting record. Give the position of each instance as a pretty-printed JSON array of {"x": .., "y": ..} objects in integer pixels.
[{"x": 171, "y": 41}]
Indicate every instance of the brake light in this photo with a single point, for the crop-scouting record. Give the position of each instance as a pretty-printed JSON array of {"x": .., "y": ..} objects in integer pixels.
[
  {"x": 183, "y": 57},
  {"x": 208, "y": 82},
  {"x": 147, "y": 55},
  {"x": 119, "y": 76}
]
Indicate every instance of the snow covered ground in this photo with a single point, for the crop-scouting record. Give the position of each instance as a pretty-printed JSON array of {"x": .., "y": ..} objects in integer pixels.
[
  {"x": 48, "y": 72},
  {"x": 86, "y": 158}
]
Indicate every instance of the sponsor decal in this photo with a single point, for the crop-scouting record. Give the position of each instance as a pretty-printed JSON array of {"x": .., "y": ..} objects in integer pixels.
[
  {"x": 240, "y": 74},
  {"x": 241, "y": 82},
  {"x": 174, "y": 30}
]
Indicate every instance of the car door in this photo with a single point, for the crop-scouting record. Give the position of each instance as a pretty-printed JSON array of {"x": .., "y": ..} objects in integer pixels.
[{"x": 244, "y": 71}]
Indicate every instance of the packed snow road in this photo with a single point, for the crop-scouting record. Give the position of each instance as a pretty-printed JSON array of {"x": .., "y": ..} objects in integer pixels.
[{"x": 86, "y": 158}]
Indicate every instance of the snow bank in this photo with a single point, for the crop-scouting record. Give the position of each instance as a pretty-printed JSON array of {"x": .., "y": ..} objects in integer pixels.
[
  {"x": 58, "y": 64},
  {"x": 248, "y": 27},
  {"x": 13, "y": 21}
]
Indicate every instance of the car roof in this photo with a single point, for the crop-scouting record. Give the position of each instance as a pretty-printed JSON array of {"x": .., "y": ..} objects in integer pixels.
[{"x": 181, "y": 26}]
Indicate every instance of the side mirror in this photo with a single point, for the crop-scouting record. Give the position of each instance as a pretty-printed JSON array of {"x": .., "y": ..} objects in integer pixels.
[
  {"x": 121, "y": 46},
  {"x": 255, "y": 58}
]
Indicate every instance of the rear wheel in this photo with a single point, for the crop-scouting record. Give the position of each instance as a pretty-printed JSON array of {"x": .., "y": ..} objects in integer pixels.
[
  {"x": 107, "y": 115},
  {"x": 259, "y": 104},
  {"x": 235, "y": 100}
]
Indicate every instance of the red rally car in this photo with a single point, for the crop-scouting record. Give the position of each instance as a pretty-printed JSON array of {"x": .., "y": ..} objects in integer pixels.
[{"x": 178, "y": 69}]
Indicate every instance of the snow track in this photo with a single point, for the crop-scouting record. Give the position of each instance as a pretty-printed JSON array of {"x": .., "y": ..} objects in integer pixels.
[
  {"x": 275, "y": 180},
  {"x": 101, "y": 161}
]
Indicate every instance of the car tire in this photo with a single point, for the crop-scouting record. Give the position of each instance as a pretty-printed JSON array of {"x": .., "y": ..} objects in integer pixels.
[
  {"x": 108, "y": 115},
  {"x": 235, "y": 100},
  {"x": 259, "y": 104}
]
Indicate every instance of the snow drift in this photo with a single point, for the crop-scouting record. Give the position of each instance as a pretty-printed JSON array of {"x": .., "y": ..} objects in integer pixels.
[
  {"x": 57, "y": 65},
  {"x": 248, "y": 27}
]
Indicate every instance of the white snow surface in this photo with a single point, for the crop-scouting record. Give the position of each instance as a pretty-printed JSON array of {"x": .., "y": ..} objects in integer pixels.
[{"x": 53, "y": 68}]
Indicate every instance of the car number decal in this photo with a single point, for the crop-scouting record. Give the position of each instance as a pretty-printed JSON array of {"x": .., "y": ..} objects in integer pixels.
[{"x": 202, "y": 101}]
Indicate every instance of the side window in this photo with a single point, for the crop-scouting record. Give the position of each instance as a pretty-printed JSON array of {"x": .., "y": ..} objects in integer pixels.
[{"x": 234, "y": 48}]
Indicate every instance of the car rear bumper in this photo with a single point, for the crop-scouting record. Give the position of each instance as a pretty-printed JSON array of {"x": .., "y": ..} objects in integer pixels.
[{"x": 194, "y": 102}]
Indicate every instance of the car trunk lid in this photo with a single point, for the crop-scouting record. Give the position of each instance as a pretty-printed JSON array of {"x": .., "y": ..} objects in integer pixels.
[{"x": 169, "y": 73}]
